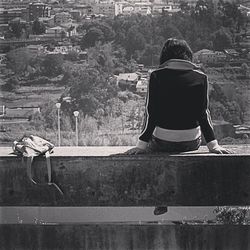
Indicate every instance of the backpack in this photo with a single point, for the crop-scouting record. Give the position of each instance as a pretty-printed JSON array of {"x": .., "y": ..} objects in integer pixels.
[{"x": 29, "y": 147}]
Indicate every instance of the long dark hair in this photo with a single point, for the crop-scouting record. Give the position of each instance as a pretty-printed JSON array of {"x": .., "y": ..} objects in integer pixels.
[{"x": 176, "y": 49}]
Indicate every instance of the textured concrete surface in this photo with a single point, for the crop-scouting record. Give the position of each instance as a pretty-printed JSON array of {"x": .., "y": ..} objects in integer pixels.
[
  {"x": 125, "y": 236},
  {"x": 243, "y": 149},
  {"x": 102, "y": 176}
]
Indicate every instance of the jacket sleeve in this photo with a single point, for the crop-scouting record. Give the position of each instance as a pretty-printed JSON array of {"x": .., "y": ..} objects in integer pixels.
[
  {"x": 205, "y": 117},
  {"x": 150, "y": 113}
]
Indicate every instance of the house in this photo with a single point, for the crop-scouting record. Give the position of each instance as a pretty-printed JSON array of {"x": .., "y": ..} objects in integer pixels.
[
  {"x": 142, "y": 85},
  {"x": 106, "y": 9},
  {"x": 62, "y": 17},
  {"x": 35, "y": 49},
  {"x": 55, "y": 32},
  {"x": 70, "y": 28},
  {"x": 76, "y": 14},
  {"x": 206, "y": 56},
  {"x": 127, "y": 81},
  {"x": 143, "y": 8},
  {"x": 48, "y": 21}
]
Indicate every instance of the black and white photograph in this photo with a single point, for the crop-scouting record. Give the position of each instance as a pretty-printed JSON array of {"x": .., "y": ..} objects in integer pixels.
[{"x": 125, "y": 124}]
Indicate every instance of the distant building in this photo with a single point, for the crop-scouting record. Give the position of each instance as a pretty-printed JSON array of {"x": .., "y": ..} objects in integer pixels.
[
  {"x": 70, "y": 28},
  {"x": 106, "y": 9},
  {"x": 143, "y": 8},
  {"x": 10, "y": 4},
  {"x": 7, "y": 15},
  {"x": 55, "y": 32},
  {"x": 142, "y": 85},
  {"x": 85, "y": 10},
  {"x": 62, "y": 17},
  {"x": 127, "y": 81},
  {"x": 127, "y": 9},
  {"x": 48, "y": 21},
  {"x": 36, "y": 49},
  {"x": 209, "y": 57},
  {"x": 37, "y": 10},
  {"x": 76, "y": 14}
]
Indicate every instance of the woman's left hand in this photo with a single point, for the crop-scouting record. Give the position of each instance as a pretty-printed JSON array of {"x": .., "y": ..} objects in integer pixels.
[{"x": 221, "y": 150}]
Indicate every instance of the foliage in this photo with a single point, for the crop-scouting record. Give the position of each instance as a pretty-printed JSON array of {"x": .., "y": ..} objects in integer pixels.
[
  {"x": 47, "y": 119},
  {"x": 232, "y": 215},
  {"x": 89, "y": 89},
  {"x": 38, "y": 27},
  {"x": 52, "y": 64},
  {"x": 227, "y": 108},
  {"x": 245, "y": 70},
  {"x": 11, "y": 84},
  {"x": 17, "y": 29},
  {"x": 19, "y": 59},
  {"x": 72, "y": 56},
  {"x": 94, "y": 32},
  {"x": 221, "y": 40}
]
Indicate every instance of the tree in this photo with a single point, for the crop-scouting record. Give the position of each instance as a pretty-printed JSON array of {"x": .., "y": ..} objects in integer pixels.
[
  {"x": 184, "y": 6},
  {"x": 102, "y": 56},
  {"x": 89, "y": 89},
  {"x": 72, "y": 55},
  {"x": 231, "y": 15},
  {"x": 150, "y": 55},
  {"x": 204, "y": 11},
  {"x": 135, "y": 41},
  {"x": 93, "y": 36},
  {"x": 19, "y": 59},
  {"x": 11, "y": 84},
  {"x": 245, "y": 70},
  {"x": 38, "y": 27},
  {"x": 221, "y": 40},
  {"x": 18, "y": 28},
  {"x": 52, "y": 64},
  {"x": 169, "y": 30}
]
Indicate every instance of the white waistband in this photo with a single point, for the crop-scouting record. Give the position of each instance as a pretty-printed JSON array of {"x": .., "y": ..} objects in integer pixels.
[{"x": 177, "y": 135}]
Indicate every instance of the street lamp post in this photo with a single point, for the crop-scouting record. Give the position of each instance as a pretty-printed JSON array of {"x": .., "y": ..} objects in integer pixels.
[
  {"x": 76, "y": 113},
  {"x": 58, "y": 105}
]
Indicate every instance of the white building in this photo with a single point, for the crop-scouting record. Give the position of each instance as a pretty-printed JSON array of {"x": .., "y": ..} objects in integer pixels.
[
  {"x": 142, "y": 85},
  {"x": 143, "y": 8},
  {"x": 206, "y": 56},
  {"x": 106, "y": 9},
  {"x": 62, "y": 17},
  {"x": 55, "y": 32},
  {"x": 35, "y": 49}
]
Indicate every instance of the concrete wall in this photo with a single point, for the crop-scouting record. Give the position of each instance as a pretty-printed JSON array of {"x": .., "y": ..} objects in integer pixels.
[
  {"x": 191, "y": 179},
  {"x": 125, "y": 237}
]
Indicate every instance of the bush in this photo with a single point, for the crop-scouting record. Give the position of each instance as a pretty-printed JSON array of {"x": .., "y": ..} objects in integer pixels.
[
  {"x": 11, "y": 84},
  {"x": 41, "y": 80},
  {"x": 232, "y": 215}
]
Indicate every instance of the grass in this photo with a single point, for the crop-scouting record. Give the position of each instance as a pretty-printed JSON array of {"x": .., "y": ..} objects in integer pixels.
[{"x": 68, "y": 138}]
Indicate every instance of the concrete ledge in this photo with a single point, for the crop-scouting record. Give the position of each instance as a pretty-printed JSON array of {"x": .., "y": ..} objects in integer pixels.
[
  {"x": 124, "y": 236},
  {"x": 92, "y": 176}
]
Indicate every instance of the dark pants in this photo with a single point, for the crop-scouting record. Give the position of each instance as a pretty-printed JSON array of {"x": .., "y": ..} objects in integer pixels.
[{"x": 158, "y": 145}]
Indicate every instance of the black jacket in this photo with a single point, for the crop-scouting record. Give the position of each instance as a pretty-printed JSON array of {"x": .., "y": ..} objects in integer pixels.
[{"x": 177, "y": 99}]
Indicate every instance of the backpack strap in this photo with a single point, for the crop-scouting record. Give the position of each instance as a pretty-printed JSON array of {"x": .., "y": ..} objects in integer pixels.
[
  {"x": 28, "y": 167},
  {"x": 47, "y": 155}
]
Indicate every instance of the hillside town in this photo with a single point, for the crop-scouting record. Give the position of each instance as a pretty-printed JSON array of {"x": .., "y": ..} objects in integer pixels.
[{"x": 49, "y": 46}]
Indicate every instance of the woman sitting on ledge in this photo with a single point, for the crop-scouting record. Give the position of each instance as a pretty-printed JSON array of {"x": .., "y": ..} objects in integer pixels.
[{"x": 176, "y": 111}]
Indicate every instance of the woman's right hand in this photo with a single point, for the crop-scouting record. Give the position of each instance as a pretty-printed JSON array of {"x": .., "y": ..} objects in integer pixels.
[{"x": 135, "y": 151}]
